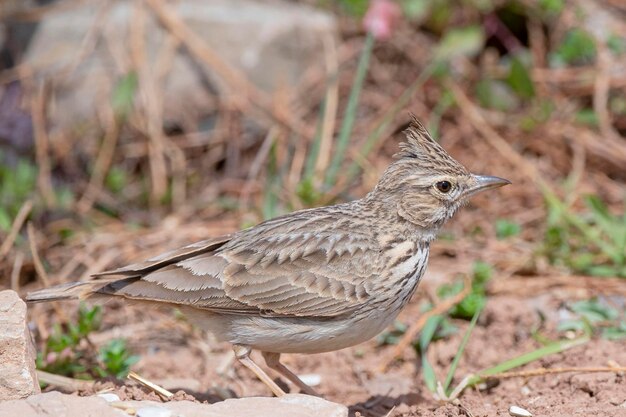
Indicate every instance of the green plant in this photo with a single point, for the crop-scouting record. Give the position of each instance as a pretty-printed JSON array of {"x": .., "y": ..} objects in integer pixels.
[
  {"x": 507, "y": 228},
  {"x": 519, "y": 78},
  {"x": 578, "y": 47},
  {"x": 123, "y": 95},
  {"x": 593, "y": 243},
  {"x": 68, "y": 351},
  {"x": 593, "y": 316},
  {"x": 392, "y": 336},
  {"x": 116, "y": 359},
  {"x": 477, "y": 298},
  {"x": 63, "y": 352},
  {"x": 17, "y": 184}
]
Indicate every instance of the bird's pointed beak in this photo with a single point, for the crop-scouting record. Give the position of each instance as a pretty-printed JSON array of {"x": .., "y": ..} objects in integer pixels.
[{"x": 485, "y": 182}]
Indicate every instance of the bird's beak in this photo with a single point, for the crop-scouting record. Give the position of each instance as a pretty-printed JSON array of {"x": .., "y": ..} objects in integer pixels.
[{"x": 485, "y": 182}]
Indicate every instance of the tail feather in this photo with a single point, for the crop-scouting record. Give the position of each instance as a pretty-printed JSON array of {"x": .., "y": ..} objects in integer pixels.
[{"x": 69, "y": 291}]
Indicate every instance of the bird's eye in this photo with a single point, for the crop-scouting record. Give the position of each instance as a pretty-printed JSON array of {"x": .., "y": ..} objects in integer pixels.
[{"x": 444, "y": 186}]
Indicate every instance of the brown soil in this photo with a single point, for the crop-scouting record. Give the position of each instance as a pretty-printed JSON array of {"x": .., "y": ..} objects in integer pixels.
[{"x": 187, "y": 362}]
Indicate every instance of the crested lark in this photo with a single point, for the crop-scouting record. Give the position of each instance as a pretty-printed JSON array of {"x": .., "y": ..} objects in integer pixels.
[{"x": 312, "y": 281}]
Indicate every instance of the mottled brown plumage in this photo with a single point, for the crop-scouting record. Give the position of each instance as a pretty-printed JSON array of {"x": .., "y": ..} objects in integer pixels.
[{"x": 311, "y": 281}]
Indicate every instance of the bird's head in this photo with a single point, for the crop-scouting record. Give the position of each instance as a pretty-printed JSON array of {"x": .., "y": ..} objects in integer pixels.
[{"x": 426, "y": 184}]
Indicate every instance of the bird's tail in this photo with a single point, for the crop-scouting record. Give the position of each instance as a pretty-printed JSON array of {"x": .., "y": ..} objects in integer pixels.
[{"x": 69, "y": 291}]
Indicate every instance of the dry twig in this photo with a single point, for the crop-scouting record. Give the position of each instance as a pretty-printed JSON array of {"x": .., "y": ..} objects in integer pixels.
[
  {"x": 41, "y": 271},
  {"x": 15, "y": 272},
  {"x": 38, "y": 105},
  {"x": 233, "y": 77},
  {"x": 548, "y": 371},
  {"x": 149, "y": 384},
  {"x": 19, "y": 220},
  {"x": 330, "y": 110},
  {"x": 63, "y": 382}
]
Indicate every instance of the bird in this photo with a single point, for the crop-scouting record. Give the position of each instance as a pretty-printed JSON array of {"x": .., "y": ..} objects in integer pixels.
[{"x": 312, "y": 281}]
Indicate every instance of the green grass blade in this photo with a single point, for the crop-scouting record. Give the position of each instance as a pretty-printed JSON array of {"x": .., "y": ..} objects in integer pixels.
[
  {"x": 350, "y": 115},
  {"x": 527, "y": 358},
  {"x": 459, "y": 353},
  {"x": 426, "y": 336},
  {"x": 314, "y": 150}
]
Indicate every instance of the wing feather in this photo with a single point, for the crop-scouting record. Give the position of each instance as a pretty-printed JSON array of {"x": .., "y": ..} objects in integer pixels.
[{"x": 292, "y": 266}]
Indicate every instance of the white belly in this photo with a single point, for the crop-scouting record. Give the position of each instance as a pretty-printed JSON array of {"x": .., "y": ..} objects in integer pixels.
[{"x": 291, "y": 335}]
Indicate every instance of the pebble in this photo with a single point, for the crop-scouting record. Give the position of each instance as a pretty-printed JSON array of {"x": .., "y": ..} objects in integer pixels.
[
  {"x": 109, "y": 397},
  {"x": 516, "y": 411},
  {"x": 153, "y": 412},
  {"x": 312, "y": 380}
]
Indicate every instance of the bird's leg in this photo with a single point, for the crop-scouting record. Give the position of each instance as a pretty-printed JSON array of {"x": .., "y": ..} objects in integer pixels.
[
  {"x": 273, "y": 361},
  {"x": 242, "y": 353}
]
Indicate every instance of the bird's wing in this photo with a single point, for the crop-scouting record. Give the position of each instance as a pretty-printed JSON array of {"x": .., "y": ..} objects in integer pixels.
[
  {"x": 285, "y": 267},
  {"x": 168, "y": 258}
]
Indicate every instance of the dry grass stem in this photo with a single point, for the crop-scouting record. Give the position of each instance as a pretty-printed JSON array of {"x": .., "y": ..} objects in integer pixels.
[
  {"x": 550, "y": 371},
  {"x": 41, "y": 271},
  {"x": 15, "y": 271},
  {"x": 238, "y": 83},
  {"x": 151, "y": 385},
  {"x": 479, "y": 123},
  {"x": 44, "y": 182},
  {"x": 18, "y": 222},
  {"x": 601, "y": 90},
  {"x": 103, "y": 160},
  {"x": 63, "y": 382},
  {"x": 330, "y": 110}
]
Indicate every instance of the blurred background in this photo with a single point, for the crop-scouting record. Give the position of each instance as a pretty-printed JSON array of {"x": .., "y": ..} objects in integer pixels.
[{"x": 131, "y": 127}]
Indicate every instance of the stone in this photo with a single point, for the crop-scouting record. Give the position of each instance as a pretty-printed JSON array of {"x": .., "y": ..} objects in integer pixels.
[
  {"x": 56, "y": 404},
  {"x": 153, "y": 412},
  {"x": 272, "y": 43},
  {"x": 18, "y": 378},
  {"x": 109, "y": 397},
  {"x": 53, "y": 404}
]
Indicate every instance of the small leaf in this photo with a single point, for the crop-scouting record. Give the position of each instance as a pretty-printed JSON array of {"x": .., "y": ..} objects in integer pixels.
[
  {"x": 586, "y": 117},
  {"x": 519, "y": 79},
  {"x": 482, "y": 272},
  {"x": 551, "y": 7},
  {"x": 415, "y": 9},
  {"x": 5, "y": 220},
  {"x": 124, "y": 94},
  {"x": 116, "y": 179},
  {"x": 426, "y": 336},
  {"x": 615, "y": 333},
  {"x": 506, "y": 228},
  {"x": 594, "y": 310},
  {"x": 466, "y": 41},
  {"x": 578, "y": 47},
  {"x": 496, "y": 94},
  {"x": 616, "y": 44}
]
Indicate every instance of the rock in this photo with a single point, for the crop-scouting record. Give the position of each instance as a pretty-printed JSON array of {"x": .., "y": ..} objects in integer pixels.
[
  {"x": 18, "y": 378},
  {"x": 57, "y": 404},
  {"x": 292, "y": 405},
  {"x": 53, "y": 404},
  {"x": 273, "y": 43},
  {"x": 109, "y": 397},
  {"x": 153, "y": 412}
]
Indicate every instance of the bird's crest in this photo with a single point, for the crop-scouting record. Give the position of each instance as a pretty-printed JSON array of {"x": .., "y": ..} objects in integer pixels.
[{"x": 421, "y": 147}]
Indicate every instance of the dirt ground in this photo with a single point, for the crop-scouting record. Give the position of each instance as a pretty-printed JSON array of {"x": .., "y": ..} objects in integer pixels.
[{"x": 188, "y": 362}]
